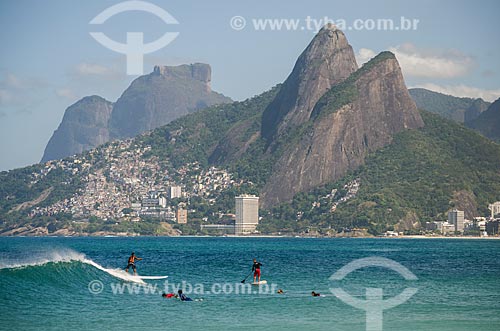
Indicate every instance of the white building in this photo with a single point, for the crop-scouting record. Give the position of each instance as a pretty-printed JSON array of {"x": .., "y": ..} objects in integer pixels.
[
  {"x": 247, "y": 214},
  {"x": 494, "y": 208},
  {"x": 456, "y": 217},
  {"x": 174, "y": 192},
  {"x": 162, "y": 201},
  {"x": 447, "y": 228}
]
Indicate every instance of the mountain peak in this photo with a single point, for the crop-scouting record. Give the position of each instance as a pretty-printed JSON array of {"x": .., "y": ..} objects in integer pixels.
[
  {"x": 158, "y": 98},
  {"x": 353, "y": 119},
  {"x": 83, "y": 127},
  {"x": 327, "y": 60},
  {"x": 150, "y": 101},
  {"x": 197, "y": 71}
]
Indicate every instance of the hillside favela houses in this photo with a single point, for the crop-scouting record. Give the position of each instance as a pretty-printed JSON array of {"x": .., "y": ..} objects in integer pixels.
[{"x": 120, "y": 193}]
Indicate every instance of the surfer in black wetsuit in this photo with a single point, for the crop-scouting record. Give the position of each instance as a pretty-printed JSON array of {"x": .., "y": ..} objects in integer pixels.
[
  {"x": 183, "y": 297},
  {"x": 131, "y": 262},
  {"x": 256, "y": 270}
]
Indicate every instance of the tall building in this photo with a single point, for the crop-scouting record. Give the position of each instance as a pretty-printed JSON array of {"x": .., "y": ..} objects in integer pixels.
[
  {"x": 494, "y": 208},
  {"x": 456, "y": 217},
  {"x": 247, "y": 214},
  {"x": 174, "y": 192},
  {"x": 162, "y": 201},
  {"x": 182, "y": 216}
]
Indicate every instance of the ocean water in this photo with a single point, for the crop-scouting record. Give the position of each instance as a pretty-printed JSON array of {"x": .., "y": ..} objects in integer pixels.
[{"x": 44, "y": 284}]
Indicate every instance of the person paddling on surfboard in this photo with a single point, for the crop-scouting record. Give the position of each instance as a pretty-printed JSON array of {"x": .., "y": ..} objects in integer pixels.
[
  {"x": 131, "y": 262},
  {"x": 183, "y": 297},
  {"x": 256, "y": 270}
]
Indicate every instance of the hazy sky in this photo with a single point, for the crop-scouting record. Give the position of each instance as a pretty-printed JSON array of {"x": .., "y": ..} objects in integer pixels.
[{"x": 48, "y": 60}]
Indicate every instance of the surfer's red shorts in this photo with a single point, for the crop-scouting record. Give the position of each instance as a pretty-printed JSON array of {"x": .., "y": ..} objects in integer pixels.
[{"x": 256, "y": 273}]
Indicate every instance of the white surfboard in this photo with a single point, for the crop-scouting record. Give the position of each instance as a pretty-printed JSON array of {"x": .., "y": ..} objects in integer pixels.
[
  {"x": 121, "y": 274},
  {"x": 262, "y": 282},
  {"x": 151, "y": 277}
]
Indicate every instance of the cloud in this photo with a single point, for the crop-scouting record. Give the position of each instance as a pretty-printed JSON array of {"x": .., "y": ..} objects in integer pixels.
[
  {"x": 13, "y": 81},
  {"x": 463, "y": 91},
  {"x": 432, "y": 64},
  {"x": 5, "y": 96},
  {"x": 88, "y": 69},
  {"x": 18, "y": 94},
  {"x": 66, "y": 93},
  {"x": 364, "y": 55},
  {"x": 488, "y": 73},
  {"x": 426, "y": 63}
]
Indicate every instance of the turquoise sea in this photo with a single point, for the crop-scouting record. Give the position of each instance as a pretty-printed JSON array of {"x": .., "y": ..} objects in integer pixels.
[{"x": 44, "y": 284}]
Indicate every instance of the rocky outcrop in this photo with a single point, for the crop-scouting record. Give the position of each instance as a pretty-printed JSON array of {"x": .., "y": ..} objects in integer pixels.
[
  {"x": 477, "y": 107},
  {"x": 328, "y": 60},
  {"x": 151, "y": 101},
  {"x": 354, "y": 118},
  {"x": 84, "y": 126},
  {"x": 461, "y": 110},
  {"x": 162, "y": 96},
  {"x": 488, "y": 123}
]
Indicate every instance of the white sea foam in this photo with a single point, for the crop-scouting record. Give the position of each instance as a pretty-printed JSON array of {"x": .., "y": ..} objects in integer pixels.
[
  {"x": 41, "y": 258},
  {"x": 68, "y": 255}
]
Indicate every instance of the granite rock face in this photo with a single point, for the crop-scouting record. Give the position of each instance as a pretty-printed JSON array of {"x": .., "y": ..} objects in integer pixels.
[
  {"x": 151, "y": 101},
  {"x": 83, "y": 127},
  {"x": 162, "y": 96},
  {"x": 328, "y": 60},
  {"x": 354, "y": 118},
  {"x": 488, "y": 122}
]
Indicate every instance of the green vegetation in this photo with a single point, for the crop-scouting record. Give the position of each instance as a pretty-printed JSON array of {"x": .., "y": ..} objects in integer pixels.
[
  {"x": 488, "y": 123},
  {"x": 345, "y": 92},
  {"x": 19, "y": 187},
  {"x": 194, "y": 137},
  {"x": 414, "y": 179},
  {"x": 416, "y": 175},
  {"x": 447, "y": 106}
]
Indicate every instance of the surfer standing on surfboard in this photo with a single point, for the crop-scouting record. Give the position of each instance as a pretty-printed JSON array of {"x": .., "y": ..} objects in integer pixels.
[
  {"x": 256, "y": 269},
  {"x": 131, "y": 262}
]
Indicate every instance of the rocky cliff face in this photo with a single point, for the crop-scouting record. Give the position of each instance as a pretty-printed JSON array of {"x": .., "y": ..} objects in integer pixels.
[
  {"x": 354, "y": 118},
  {"x": 477, "y": 107},
  {"x": 151, "y": 101},
  {"x": 461, "y": 110},
  {"x": 164, "y": 95},
  {"x": 488, "y": 122},
  {"x": 84, "y": 126},
  {"x": 328, "y": 60}
]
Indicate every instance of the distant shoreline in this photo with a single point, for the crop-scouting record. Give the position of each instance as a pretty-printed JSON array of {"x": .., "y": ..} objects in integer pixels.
[
  {"x": 257, "y": 236},
  {"x": 443, "y": 237}
]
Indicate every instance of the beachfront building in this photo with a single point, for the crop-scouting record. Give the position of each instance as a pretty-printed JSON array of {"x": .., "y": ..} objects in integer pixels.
[
  {"x": 456, "y": 217},
  {"x": 181, "y": 216},
  {"x": 447, "y": 228},
  {"x": 492, "y": 228},
  {"x": 495, "y": 209},
  {"x": 247, "y": 214},
  {"x": 218, "y": 228}
]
